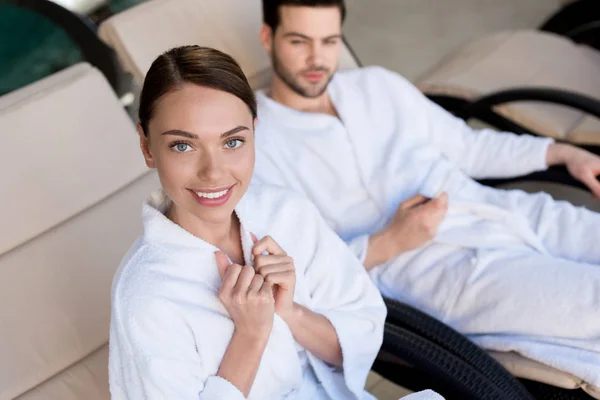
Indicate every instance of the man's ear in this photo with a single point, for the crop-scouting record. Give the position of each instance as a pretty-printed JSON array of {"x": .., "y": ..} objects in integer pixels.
[
  {"x": 145, "y": 147},
  {"x": 266, "y": 37}
]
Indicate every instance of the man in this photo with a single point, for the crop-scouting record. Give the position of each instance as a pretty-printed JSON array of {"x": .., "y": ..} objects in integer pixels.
[{"x": 392, "y": 173}]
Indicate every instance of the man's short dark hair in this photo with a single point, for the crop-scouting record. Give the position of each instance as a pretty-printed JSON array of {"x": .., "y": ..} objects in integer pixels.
[{"x": 271, "y": 15}]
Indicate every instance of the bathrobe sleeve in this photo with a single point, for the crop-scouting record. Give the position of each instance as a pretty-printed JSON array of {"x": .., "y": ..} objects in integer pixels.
[
  {"x": 159, "y": 357},
  {"x": 341, "y": 290},
  {"x": 483, "y": 153},
  {"x": 359, "y": 246}
]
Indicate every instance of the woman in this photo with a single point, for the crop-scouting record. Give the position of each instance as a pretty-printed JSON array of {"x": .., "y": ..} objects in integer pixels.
[{"x": 231, "y": 292}]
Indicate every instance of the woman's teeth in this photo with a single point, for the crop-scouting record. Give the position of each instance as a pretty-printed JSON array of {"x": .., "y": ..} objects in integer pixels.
[{"x": 214, "y": 195}]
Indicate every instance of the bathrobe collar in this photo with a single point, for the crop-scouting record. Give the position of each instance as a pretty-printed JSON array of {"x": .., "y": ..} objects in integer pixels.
[
  {"x": 160, "y": 231},
  {"x": 294, "y": 118}
]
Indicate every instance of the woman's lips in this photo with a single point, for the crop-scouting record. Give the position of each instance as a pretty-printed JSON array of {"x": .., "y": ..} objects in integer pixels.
[{"x": 212, "y": 198}]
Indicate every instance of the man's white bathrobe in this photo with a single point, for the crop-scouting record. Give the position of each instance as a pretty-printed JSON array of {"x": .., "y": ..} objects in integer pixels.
[
  {"x": 511, "y": 270},
  {"x": 169, "y": 331}
]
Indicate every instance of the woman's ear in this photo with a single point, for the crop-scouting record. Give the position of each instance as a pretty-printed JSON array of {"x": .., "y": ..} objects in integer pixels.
[
  {"x": 266, "y": 37},
  {"x": 145, "y": 147}
]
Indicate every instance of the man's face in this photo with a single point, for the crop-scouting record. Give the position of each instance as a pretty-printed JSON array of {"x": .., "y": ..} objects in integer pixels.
[{"x": 306, "y": 47}]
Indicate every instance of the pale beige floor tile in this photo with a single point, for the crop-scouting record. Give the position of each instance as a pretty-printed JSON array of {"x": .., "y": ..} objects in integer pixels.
[
  {"x": 372, "y": 380},
  {"x": 386, "y": 390}
]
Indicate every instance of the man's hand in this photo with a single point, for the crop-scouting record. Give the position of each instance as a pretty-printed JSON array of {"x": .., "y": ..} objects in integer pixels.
[
  {"x": 415, "y": 223},
  {"x": 581, "y": 164}
]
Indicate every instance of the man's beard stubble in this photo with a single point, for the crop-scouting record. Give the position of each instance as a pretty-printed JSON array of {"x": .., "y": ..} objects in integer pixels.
[{"x": 288, "y": 78}]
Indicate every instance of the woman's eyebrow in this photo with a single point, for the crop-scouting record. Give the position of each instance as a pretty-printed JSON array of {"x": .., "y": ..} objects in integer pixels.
[
  {"x": 189, "y": 135},
  {"x": 235, "y": 130},
  {"x": 177, "y": 132}
]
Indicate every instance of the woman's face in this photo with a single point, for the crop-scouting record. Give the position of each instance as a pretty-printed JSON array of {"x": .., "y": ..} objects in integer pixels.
[{"x": 201, "y": 141}]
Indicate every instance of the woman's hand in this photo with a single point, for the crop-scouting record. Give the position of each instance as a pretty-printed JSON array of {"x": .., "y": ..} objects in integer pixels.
[
  {"x": 278, "y": 269},
  {"x": 247, "y": 298},
  {"x": 312, "y": 331}
]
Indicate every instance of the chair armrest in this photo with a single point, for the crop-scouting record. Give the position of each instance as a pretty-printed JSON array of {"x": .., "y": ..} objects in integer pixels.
[
  {"x": 555, "y": 174},
  {"x": 449, "y": 375},
  {"x": 352, "y": 52},
  {"x": 578, "y": 101},
  {"x": 407, "y": 317},
  {"x": 482, "y": 109},
  {"x": 577, "y": 20}
]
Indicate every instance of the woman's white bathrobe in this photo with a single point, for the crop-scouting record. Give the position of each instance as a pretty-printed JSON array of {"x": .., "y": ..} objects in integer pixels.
[
  {"x": 511, "y": 270},
  {"x": 169, "y": 331}
]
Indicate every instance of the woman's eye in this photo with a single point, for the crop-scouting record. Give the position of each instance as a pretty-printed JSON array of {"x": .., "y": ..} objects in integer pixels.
[
  {"x": 181, "y": 147},
  {"x": 233, "y": 143}
]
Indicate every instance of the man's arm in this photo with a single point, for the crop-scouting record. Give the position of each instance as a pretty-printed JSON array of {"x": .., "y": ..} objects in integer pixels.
[
  {"x": 487, "y": 153},
  {"x": 483, "y": 153}
]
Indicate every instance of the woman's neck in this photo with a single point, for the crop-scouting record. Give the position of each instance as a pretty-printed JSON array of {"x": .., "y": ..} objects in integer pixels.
[{"x": 225, "y": 235}]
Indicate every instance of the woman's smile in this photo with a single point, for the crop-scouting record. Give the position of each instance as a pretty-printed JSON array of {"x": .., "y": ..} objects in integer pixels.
[{"x": 212, "y": 197}]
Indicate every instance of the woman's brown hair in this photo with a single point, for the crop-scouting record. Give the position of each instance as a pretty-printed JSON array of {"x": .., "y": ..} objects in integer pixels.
[{"x": 198, "y": 65}]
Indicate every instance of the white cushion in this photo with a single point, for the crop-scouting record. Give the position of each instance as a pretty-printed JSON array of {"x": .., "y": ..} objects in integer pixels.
[
  {"x": 68, "y": 146},
  {"x": 141, "y": 33},
  {"x": 73, "y": 183},
  {"x": 526, "y": 368},
  {"x": 517, "y": 59}
]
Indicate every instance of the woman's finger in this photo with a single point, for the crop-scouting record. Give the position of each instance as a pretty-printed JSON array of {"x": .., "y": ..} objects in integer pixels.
[
  {"x": 244, "y": 279},
  {"x": 230, "y": 277},
  {"x": 266, "y": 289},
  {"x": 273, "y": 268},
  {"x": 284, "y": 279},
  {"x": 269, "y": 245},
  {"x": 222, "y": 262},
  {"x": 264, "y": 260},
  {"x": 256, "y": 284}
]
